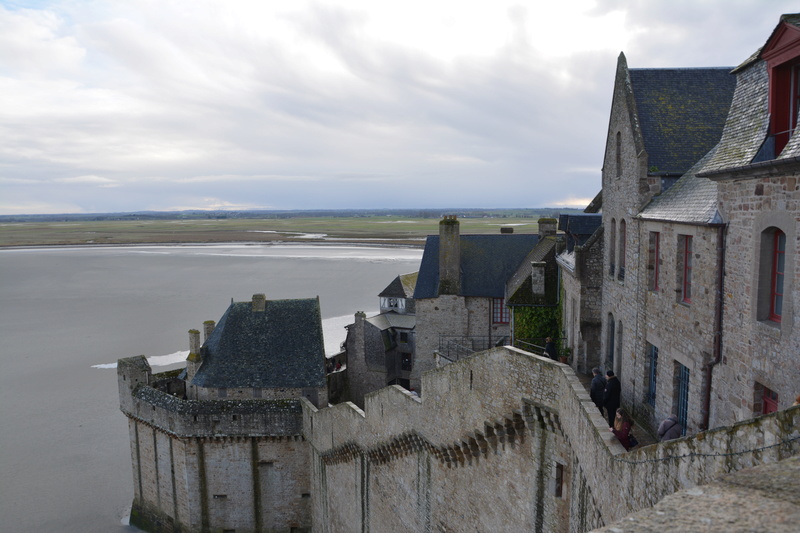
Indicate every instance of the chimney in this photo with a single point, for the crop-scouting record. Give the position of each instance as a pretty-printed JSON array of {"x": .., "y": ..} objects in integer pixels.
[
  {"x": 537, "y": 277},
  {"x": 547, "y": 227},
  {"x": 507, "y": 229},
  {"x": 194, "y": 342},
  {"x": 259, "y": 303},
  {"x": 208, "y": 327},
  {"x": 449, "y": 255}
]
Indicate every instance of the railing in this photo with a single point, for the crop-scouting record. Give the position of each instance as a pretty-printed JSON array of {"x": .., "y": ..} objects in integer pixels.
[
  {"x": 455, "y": 347},
  {"x": 536, "y": 345}
]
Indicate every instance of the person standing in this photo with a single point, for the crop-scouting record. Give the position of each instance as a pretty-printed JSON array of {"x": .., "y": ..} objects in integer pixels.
[
  {"x": 597, "y": 388},
  {"x": 669, "y": 428},
  {"x": 611, "y": 396},
  {"x": 621, "y": 428},
  {"x": 550, "y": 349}
]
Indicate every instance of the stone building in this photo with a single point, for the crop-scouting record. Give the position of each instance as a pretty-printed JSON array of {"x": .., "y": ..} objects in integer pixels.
[
  {"x": 581, "y": 266},
  {"x": 220, "y": 446},
  {"x": 660, "y": 231},
  {"x": 460, "y": 293},
  {"x": 380, "y": 349}
]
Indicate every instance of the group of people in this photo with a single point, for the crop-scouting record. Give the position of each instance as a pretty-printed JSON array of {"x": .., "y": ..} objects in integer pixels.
[{"x": 605, "y": 393}]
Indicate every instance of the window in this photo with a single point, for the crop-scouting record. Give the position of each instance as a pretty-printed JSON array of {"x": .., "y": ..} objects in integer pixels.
[
  {"x": 778, "y": 270},
  {"x": 680, "y": 397},
  {"x": 611, "y": 324},
  {"x": 559, "y": 481},
  {"x": 612, "y": 248},
  {"x": 404, "y": 337},
  {"x": 769, "y": 401},
  {"x": 685, "y": 269},
  {"x": 771, "y": 275},
  {"x": 393, "y": 303},
  {"x": 784, "y": 100},
  {"x": 652, "y": 356},
  {"x": 619, "y": 154},
  {"x": 622, "y": 237},
  {"x": 653, "y": 258},
  {"x": 500, "y": 313}
]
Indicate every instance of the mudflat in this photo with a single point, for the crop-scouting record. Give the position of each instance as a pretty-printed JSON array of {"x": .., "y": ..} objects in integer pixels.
[{"x": 386, "y": 230}]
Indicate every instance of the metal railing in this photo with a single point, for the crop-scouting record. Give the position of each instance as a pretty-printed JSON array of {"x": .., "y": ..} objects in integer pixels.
[{"x": 455, "y": 347}]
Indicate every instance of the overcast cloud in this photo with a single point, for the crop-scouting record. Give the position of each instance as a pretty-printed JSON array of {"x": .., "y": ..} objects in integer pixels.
[{"x": 164, "y": 105}]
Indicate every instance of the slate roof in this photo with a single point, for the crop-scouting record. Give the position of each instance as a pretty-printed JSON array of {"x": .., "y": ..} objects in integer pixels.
[
  {"x": 519, "y": 288},
  {"x": 401, "y": 287},
  {"x": 281, "y": 346},
  {"x": 578, "y": 228},
  {"x": 391, "y": 319},
  {"x": 681, "y": 113},
  {"x": 487, "y": 261},
  {"x": 692, "y": 200},
  {"x": 747, "y": 126}
]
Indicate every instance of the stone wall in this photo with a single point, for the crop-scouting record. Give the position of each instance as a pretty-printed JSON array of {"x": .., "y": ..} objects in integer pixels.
[
  {"x": 757, "y": 351},
  {"x": 483, "y": 446},
  {"x": 216, "y": 464}
]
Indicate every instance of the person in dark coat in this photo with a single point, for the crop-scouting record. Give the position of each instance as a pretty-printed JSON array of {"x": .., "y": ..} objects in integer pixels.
[
  {"x": 669, "y": 429},
  {"x": 550, "y": 349},
  {"x": 598, "y": 388},
  {"x": 611, "y": 396}
]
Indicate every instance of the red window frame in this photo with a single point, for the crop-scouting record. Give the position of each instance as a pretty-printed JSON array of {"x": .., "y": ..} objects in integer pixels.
[
  {"x": 500, "y": 313},
  {"x": 778, "y": 268},
  {"x": 686, "y": 289},
  {"x": 769, "y": 401}
]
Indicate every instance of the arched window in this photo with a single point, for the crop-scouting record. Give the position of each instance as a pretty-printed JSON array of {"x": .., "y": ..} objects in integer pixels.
[
  {"x": 612, "y": 326},
  {"x": 772, "y": 272},
  {"x": 622, "y": 239},
  {"x": 612, "y": 248}
]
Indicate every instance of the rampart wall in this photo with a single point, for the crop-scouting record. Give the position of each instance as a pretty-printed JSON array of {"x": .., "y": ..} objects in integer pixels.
[{"x": 486, "y": 445}]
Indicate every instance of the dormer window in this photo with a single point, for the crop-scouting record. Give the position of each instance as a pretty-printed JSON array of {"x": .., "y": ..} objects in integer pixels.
[
  {"x": 782, "y": 54},
  {"x": 389, "y": 303}
]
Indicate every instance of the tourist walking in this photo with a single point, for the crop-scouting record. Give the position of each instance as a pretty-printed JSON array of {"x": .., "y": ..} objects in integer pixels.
[
  {"x": 598, "y": 388},
  {"x": 622, "y": 428},
  {"x": 611, "y": 396},
  {"x": 669, "y": 428}
]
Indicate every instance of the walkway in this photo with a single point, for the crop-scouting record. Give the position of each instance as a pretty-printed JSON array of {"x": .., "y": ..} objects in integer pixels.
[{"x": 642, "y": 434}]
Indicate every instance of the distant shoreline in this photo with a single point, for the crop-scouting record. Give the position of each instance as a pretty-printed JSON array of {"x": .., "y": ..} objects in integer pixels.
[{"x": 382, "y": 243}]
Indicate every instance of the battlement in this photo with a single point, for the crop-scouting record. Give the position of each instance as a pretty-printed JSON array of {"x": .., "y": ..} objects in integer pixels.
[{"x": 507, "y": 414}]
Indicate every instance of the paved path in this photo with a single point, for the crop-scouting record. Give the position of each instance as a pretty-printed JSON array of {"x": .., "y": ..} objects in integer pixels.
[{"x": 642, "y": 435}]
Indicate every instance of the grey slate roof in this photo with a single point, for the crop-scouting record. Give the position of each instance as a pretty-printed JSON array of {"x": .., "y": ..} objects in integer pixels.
[
  {"x": 281, "y": 346},
  {"x": 747, "y": 126},
  {"x": 692, "y": 200},
  {"x": 487, "y": 261},
  {"x": 579, "y": 227},
  {"x": 401, "y": 287},
  {"x": 519, "y": 288},
  {"x": 681, "y": 113},
  {"x": 391, "y": 319}
]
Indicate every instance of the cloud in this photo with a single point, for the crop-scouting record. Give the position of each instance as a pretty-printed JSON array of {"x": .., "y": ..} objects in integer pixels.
[{"x": 294, "y": 104}]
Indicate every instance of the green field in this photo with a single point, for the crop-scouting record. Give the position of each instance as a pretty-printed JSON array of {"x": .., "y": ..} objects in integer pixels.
[{"x": 381, "y": 229}]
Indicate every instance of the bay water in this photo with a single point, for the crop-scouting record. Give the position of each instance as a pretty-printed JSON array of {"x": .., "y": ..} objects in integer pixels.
[{"x": 68, "y": 313}]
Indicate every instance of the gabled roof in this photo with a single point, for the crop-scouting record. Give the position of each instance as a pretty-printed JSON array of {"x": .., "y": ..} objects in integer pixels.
[
  {"x": 691, "y": 200},
  {"x": 487, "y": 261},
  {"x": 281, "y": 346},
  {"x": 401, "y": 287},
  {"x": 519, "y": 288},
  {"x": 681, "y": 113},
  {"x": 578, "y": 228}
]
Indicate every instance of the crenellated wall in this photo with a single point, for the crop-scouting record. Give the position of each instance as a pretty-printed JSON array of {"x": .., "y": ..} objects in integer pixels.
[{"x": 483, "y": 448}]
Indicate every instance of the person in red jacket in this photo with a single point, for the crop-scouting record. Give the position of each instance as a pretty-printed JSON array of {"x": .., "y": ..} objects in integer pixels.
[{"x": 622, "y": 428}]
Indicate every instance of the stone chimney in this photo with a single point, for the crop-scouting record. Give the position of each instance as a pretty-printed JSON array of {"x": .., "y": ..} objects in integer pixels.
[
  {"x": 547, "y": 227},
  {"x": 194, "y": 360},
  {"x": 449, "y": 255},
  {"x": 507, "y": 229},
  {"x": 208, "y": 327},
  {"x": 259, "y": 303},
  {"x": 537, "y": 277}
]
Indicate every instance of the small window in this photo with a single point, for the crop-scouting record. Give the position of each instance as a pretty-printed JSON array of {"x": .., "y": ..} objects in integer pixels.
[
  {"x": 619, "y": 154},
  {"x": 778, "y": 270},
  {"x": 404, "y": 337},
  {"x": 684, "y": 269},
  {"x": 612, "y": 248},
  {"x": 500, "y": 313},
  {"x": 771, "y": 275},
  {"x": 559, "y": 481},
  {"x": 622, "y": 240},
  {"x": 769, "y": 401},
  {"x": 653, "y": 259},
  {"x": 652, "y": 356}
]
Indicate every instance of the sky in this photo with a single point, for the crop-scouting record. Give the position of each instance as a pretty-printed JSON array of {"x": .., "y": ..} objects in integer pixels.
[{"x": 162, "y": 105}]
